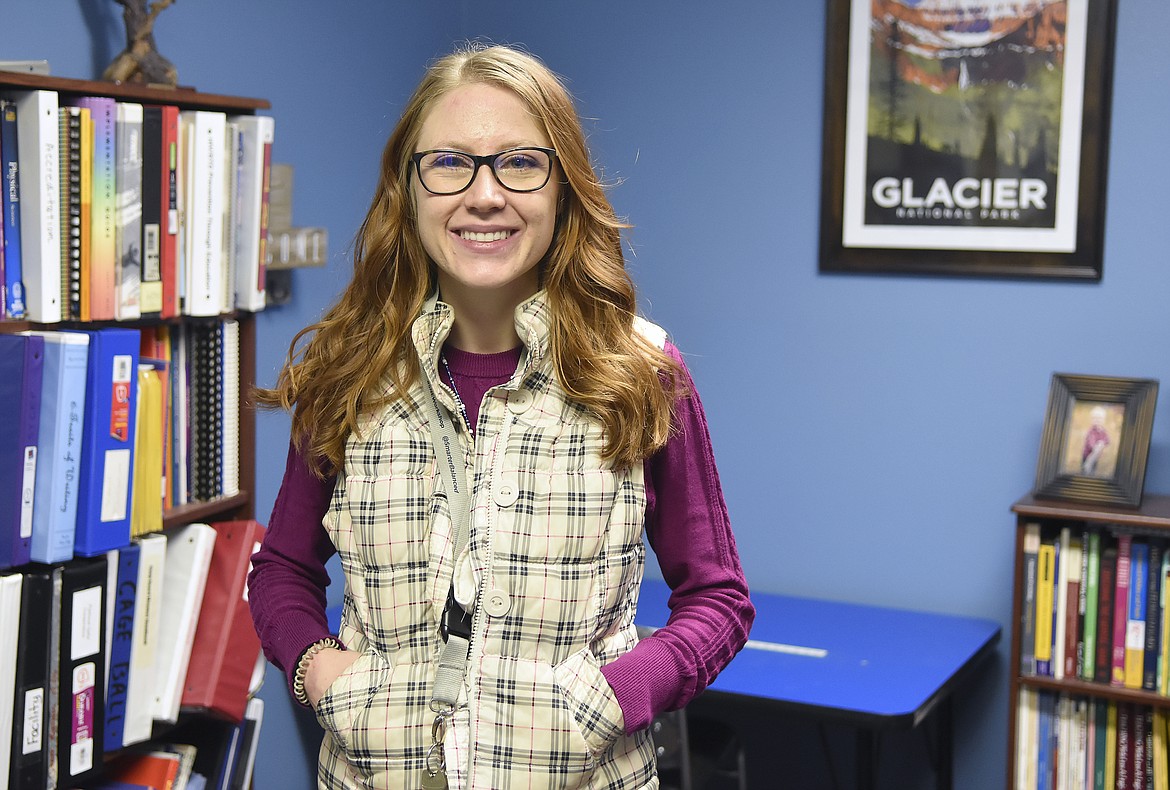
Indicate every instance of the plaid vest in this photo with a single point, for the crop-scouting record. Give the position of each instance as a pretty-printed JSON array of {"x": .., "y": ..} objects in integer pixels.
[{"x": 550, "y": 574}]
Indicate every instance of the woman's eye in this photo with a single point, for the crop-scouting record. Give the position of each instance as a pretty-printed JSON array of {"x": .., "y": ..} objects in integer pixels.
[{"x": 448, "y": 162}]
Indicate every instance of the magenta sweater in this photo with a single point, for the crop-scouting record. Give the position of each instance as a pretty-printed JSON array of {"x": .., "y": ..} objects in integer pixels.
[{"x": 687, "y": 526}]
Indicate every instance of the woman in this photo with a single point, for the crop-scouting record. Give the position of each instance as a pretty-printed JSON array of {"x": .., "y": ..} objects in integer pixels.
[{"x": 490, "y": 299}]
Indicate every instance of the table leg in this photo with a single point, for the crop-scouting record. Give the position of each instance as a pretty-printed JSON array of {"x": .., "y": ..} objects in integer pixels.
[
  {"x": 944, "y": 732},
  {"x": 867, "y": 758}
]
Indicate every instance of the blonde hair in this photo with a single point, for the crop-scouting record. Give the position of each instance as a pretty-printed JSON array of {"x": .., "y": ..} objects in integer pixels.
[{"x": 600, "y": 360}]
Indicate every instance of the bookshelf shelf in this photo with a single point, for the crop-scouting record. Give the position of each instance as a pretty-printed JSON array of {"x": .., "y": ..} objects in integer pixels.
[{"x": 1030, "y": 684}]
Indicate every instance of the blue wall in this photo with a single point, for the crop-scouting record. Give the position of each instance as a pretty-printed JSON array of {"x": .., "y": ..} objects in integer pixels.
[{"x": 872, "y": 432}]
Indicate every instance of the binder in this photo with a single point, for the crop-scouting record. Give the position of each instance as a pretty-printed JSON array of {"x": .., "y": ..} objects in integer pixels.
[
  {"x": 225, "y": 646},
  {"x": 188, "y": 559},
  {"x": 30, "y": 747},
  {"x": 139, "y": 720},
  {"x": 249, "y": 743},
  {"x": 81, "y": 660},
  {"x": 107, "y": 450},
  {"x": 146, "y": 505},
  {"x": 59, "y": 445},
  {"x": 119, "y": 641},
  {"x": 9, "y": 633},
  {"x": 22, "y": 360}
]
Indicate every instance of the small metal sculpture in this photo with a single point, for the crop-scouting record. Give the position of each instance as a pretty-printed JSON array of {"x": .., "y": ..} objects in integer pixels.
[{"x": 140, "y": 61}]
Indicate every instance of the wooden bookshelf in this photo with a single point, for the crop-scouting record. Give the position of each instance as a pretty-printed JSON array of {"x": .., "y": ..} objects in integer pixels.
[
  {"x": 240, "y": 505},
  {"x": 1151, "y": 519}
]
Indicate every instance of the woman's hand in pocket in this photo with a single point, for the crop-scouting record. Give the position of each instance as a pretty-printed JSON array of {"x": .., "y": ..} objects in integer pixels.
[{"x": 324, "y": 668}]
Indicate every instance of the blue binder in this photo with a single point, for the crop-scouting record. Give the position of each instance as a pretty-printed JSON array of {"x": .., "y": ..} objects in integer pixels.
[
  {"x": 59, "y": 445},
  {"x": 107, "y": 447},
  {"x": 22, "y": 360}
]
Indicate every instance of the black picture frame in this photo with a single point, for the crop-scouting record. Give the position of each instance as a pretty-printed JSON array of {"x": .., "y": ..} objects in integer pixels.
[
  {"x": 1096, "y": 439},
  {"x": 904, "y": 118}
]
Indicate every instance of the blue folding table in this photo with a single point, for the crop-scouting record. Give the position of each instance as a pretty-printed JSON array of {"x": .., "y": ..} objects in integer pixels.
[{"x": 872, "y": 667}]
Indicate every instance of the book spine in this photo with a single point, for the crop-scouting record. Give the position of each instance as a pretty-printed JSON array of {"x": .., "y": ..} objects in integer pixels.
[
  {"x": 151, "y": 296},
  {"x": 1120, "y": 608},
  {"x": 206, "y": 140},
  {"x": 1090, "y": 599},
  {"x": 103, "y": 202},
  {"x": 40, "y": 194},
  {"x": 121, "y": 641},
  {"x": 71, "y": 129},
  {"x": 1103, "y": 667},
  {"x": 1135, "y": 628},
  {"x": 1153, "y": 630},
  {"x": 128, "y": 210},
  {"x": 1031, "y": 560},
  {"x": 1045, "y": 591},
  {"x": 10, "y": 203}
]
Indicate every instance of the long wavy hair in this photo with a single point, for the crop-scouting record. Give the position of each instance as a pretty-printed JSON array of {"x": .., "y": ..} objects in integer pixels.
[{"x": 337, "y": 367}]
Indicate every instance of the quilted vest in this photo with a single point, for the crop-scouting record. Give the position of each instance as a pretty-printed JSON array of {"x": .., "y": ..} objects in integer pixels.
[{"x": 550, "y": 575}]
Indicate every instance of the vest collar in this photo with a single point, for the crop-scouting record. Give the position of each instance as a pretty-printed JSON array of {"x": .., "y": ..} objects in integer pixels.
[{"x": 532, "y": 320}]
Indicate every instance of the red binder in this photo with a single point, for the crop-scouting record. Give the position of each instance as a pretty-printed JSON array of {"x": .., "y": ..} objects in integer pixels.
[{"x": 226, "y": 647}]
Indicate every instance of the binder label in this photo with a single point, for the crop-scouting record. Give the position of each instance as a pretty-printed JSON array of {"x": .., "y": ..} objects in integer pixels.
[
  {"x": 120, "y": 400},
  {"x": 34, "y": 715},
  {"x": 81, "y": 744},
  {"x": 116, "y": 485},
  {"x": 86, "y": 631},
  {"x": 27, "y": 486}
]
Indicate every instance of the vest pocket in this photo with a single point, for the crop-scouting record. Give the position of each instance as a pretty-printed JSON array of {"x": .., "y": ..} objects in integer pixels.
[
  {"x": 591, "y": 700},
  {"x": 350, "y": 693}
]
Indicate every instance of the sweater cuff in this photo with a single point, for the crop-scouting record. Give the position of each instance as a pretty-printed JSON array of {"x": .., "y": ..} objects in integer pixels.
[{"x": 644, "y": 681}]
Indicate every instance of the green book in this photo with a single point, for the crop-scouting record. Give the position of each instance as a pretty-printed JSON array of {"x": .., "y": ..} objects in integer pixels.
[{"x": 1091, "y": 587}]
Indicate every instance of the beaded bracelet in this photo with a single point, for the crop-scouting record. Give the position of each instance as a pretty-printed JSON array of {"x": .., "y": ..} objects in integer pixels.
[{"x": 303, "y": 666}]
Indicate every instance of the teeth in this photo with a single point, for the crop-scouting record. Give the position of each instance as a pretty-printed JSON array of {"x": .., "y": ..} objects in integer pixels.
[{"x": 498, "y": 235}]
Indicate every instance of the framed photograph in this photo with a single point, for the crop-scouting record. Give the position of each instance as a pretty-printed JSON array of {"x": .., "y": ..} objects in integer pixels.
[
  {"x": 966, "y": 138},
  {"x": 1096, "y": 439}
]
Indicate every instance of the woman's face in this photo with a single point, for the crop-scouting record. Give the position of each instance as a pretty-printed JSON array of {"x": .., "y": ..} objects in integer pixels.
[{"x": 485, "y": 241}]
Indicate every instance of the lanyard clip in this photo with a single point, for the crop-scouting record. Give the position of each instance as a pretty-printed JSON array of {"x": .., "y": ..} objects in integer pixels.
[{"x": 454, "y": 620}]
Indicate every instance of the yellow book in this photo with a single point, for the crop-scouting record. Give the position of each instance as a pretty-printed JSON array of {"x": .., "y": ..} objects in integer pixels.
[
  {"x": 1159, "y": 737},
  {"x": 146, "y": 501},
  {"x": 1045, "y": 590},
  {"x": 1111, "y": 746}
]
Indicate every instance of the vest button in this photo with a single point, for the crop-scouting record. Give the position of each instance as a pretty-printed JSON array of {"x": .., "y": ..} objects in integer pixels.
[
  {"x": 520, "y": 401},
  {"x": 497, "y": 603},
  {"x": 506, "y": 495}
]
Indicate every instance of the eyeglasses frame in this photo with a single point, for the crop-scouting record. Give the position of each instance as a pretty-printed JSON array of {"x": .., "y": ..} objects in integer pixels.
[{"x": 487, "y": 160}]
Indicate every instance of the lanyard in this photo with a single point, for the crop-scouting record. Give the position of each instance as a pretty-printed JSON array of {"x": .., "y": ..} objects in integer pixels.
[{"x": 453, "y": 660}]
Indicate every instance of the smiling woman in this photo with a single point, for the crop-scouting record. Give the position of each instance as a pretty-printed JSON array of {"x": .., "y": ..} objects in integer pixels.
[{"x": 487, "y": 433}]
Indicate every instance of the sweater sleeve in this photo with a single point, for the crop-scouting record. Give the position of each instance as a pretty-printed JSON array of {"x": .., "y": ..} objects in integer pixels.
[
  {"x": 286, "y": 587},
  {"x": 710, "y": 612}
]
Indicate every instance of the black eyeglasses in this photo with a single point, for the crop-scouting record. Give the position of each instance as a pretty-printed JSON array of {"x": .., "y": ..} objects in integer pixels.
[{"x": 447, "y": 172}]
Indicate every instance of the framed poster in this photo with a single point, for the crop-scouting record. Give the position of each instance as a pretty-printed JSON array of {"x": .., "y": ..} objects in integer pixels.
[{"x": 966, "y": 138}]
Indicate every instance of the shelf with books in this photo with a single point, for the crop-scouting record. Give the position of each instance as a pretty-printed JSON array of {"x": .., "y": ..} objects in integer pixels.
[
  {"x": 1090, "y": 655},
  {"x": 138, "y": 353}
]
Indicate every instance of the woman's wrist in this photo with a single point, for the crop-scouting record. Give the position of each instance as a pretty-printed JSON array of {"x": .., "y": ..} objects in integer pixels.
[{"x": 298, "y": 689}]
